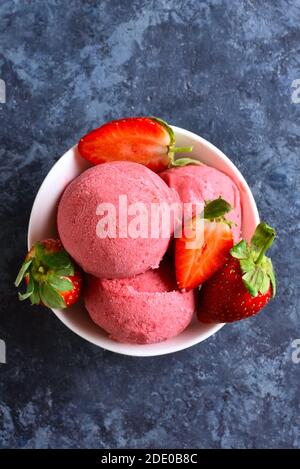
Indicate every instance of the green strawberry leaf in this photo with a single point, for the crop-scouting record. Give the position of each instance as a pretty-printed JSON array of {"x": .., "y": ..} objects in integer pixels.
[
  {"x": 265, "y": 285},
  {"x": 248, "y": 279},
  {"x": 57, "y": 260},
  {"x": 261, "y": 241},
  {"x": 39, "y": 250},
  {"x": 29, "y": 290},
  {"x": 256, "y": 280},
  {"x": 271, "y": 275},
  {"x": 35, "y": 297},
  {"x": 257, "y": 269},
  {"x": 65, "y": 271},
  {"x": 22, "y": 272},
  {"x": 263, "y": 234},
  {"x": 60, "y": 283},
  {"x": 185, "y": 161},
  {"x": 247, "y": 264},
  {"x": 50, "y": 297},
  {"x": 216, "y": 208},
  {"x": 253, "y": 292},
  {"x": 240, "y": 250}
]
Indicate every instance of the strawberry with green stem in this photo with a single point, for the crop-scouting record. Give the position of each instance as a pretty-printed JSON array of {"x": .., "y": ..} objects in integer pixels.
[
  {"x": 200, "y": 254},
  {"x": 50, "y": 276},
  {"x": 244, "y": 285},
  {"x": 146, "y": 140}
]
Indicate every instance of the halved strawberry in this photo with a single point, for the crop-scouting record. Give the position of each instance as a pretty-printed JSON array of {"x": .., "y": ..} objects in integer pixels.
[
  {"x": 50, "y": 275},
  {"x": 204, "y": 251},
  {"x": 146, "y": 140}
]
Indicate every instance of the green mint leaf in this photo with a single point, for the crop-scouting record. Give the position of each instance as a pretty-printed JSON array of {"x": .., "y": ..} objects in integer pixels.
[
  {"x": 29, "y": 290},
  {"x": 50, "y": 297},
  {"x": 57, "y": 260},
  {"x": 60, "y": 283},
  {"x": 264, "y": 235},
  {"x": 240, "y": 250},
  {"x": 216, "y": 208},
  {"x": 185, "y": 161},
  {"x": 22, "y": 272}
]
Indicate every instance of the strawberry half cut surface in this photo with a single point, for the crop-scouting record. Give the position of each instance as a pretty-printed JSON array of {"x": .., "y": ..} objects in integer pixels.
[
  {"x": 146, "y": 140},
  {"x": 244, "y": 285},
  {"x": 203, "y": 252},
  {"x": 50, "y": 276}
]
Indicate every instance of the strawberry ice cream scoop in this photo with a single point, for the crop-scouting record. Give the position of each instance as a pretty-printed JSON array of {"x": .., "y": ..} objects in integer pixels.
[
  {"x": 144, "y": 309},
  {"x": 197, "y": 184},
  {"x": 99, "y": 231}
]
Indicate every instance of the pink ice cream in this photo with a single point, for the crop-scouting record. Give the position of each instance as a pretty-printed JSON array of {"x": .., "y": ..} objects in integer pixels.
[
  {"x": 197, "y": 184},
  {"x": 78, "y": 219},
  {"x": 144, "y": 309}
]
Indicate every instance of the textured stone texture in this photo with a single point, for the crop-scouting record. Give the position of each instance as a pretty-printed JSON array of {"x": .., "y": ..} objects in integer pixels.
[{"x": 224, "y": 70}]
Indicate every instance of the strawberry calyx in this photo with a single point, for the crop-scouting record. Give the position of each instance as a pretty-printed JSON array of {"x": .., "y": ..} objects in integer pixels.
[
  {"x": 180, "y": 162},
  {"x": 216, "y": 209},
  {"x": 172, "y": 149},
  {"x": 213, "y": 211},
  {"x": 46, "y": 273},
  {"x": 257, "y": 269}
]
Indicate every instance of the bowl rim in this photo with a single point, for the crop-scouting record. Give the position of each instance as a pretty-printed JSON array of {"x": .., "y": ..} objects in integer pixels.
[{"x": 140, "y": 350}]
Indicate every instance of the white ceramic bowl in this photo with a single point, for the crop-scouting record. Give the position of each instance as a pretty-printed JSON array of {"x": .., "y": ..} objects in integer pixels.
[{"x": 42, "y": 224}]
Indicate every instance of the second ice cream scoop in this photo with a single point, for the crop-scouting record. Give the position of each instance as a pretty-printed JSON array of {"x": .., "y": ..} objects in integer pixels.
[{"x": 199, "y": 184}]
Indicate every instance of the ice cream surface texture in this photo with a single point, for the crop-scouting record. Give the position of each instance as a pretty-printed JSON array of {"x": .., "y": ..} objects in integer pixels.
[
  {"x": 78, "y": 219},
  {"x": 144, "y": 309},
  {"x": 198, "y": 184}
]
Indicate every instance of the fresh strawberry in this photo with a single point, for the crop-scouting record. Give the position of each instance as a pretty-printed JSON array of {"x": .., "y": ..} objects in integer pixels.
[
  {"x": 50, "y": 276},
  {"x": 200, "y": 254},
  {"x": 146, "y": 140},
  {"x": 244, "y": 285}
]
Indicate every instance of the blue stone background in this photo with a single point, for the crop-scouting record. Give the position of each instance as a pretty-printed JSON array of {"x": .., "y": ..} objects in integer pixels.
[{"x": 224, "y": 70}]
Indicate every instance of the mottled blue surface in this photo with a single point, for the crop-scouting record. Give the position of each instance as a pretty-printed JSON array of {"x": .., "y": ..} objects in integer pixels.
[{"x": 223, "y": 69}]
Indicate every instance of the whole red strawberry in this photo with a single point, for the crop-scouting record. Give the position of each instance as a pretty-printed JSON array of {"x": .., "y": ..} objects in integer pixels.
[
  {"x": 244, "y": 285},
  {"x": 146, "y": 140},
  {"x": 50, "y": 275}
]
